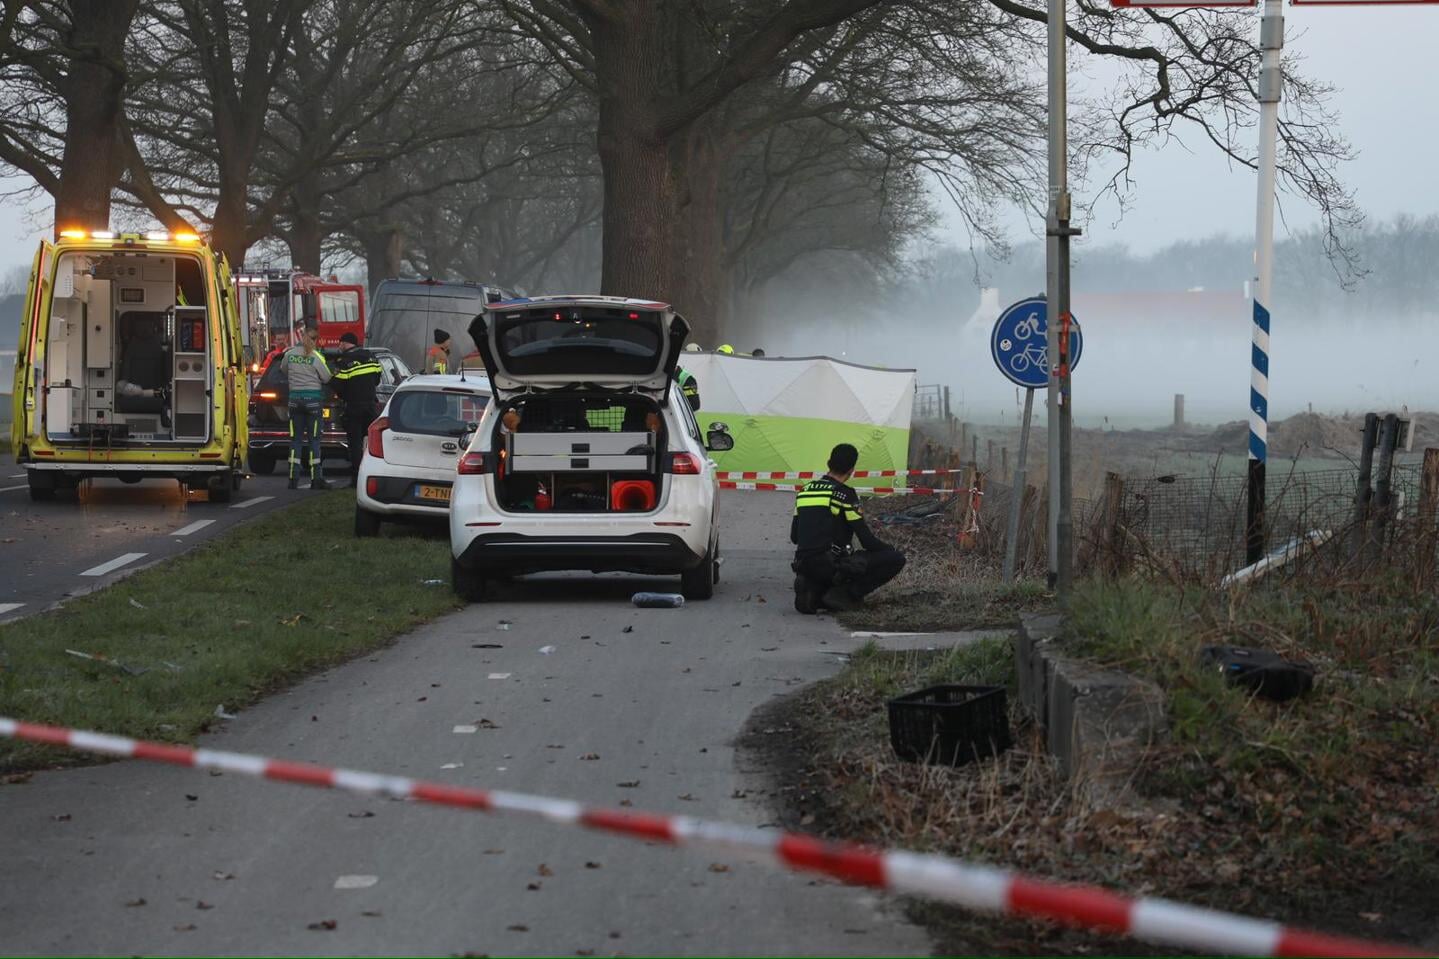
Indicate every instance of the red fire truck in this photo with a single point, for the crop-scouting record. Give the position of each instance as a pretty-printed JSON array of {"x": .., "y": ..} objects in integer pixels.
[{"x": 273, "y": 301}]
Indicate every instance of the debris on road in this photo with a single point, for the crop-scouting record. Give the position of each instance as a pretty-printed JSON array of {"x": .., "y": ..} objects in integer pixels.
[
  {"x": 221, "y": 714},
  {"x": 105, "y": 660}
]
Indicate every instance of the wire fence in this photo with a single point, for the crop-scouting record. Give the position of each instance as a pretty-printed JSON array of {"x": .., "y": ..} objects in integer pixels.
[{"x": 1194, "y": 528}]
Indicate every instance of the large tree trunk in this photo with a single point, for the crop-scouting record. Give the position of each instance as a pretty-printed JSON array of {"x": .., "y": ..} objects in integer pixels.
[
  {"x": 697, "y": 280},
  {"x": 230, "y": 230},
  {"x": 307, "y": 234},
  {"x": 638, "y": 257},
  {"x": 94, "y": 91},
  {"x": 383, "y": 253}
]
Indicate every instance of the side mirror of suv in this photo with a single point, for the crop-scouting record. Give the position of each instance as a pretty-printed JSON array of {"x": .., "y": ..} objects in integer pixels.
[{"x": 718, "y": 440}]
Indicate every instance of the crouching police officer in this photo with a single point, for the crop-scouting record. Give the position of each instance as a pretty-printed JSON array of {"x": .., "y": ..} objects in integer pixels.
[
  {"x": 826, "y": 518},
  {"x": 357, "y": 373}
]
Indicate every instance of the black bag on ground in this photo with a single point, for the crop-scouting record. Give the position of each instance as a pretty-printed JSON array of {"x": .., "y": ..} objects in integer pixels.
[{"x": 1264, "y": 672}]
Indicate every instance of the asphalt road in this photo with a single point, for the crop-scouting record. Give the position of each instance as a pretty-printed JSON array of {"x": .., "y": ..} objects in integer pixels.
[
  {"x": 137, "y": 858},
  {"x": 51, "y": 551}
]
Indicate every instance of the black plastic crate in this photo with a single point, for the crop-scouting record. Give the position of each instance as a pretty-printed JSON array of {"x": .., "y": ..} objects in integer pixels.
[{"x": 949, "y": 725}]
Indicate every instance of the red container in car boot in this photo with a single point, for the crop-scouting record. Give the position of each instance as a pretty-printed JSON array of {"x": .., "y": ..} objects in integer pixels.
[
  {"x": 542, "y": 498},
  {"x": 632, "y": 496}
]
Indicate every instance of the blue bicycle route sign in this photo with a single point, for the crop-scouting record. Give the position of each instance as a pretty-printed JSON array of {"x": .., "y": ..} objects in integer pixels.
[{"x": 1019, "y": 343}]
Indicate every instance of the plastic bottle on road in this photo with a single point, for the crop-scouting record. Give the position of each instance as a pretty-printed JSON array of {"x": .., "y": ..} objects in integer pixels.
[{"x": 658, "y": 600}]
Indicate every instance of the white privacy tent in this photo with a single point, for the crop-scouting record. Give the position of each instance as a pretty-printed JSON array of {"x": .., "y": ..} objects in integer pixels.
[{"x": 787, "y": 413}]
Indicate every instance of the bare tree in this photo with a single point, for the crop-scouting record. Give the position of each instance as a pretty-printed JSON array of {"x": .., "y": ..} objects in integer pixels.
[
  {"x": 63, "y": 72},
  {"x": 207, "y": 75}
]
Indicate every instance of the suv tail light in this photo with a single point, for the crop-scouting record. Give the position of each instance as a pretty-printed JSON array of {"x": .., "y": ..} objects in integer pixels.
[
  {"x": 683, "y": 464},
  {"x": 472, "y": 464},
  {"x": 375, "y": 439}
]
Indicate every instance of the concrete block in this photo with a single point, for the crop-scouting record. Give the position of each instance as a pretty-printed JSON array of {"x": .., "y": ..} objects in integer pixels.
[{"x": 1098, "y": 722}]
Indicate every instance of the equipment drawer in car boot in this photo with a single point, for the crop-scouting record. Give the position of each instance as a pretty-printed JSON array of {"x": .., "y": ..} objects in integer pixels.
[{"x": 579, "y": 443}]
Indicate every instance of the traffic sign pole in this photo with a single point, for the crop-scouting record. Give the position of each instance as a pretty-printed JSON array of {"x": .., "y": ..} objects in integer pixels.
[
  {"x": 1271, "y": 80},
  {"x": 1011, "y": 542},
  {"x": 1017, "y": 345},
  {"x": 1058, "y": 231}
]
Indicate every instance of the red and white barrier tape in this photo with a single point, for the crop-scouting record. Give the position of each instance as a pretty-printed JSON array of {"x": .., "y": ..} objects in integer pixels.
[
  {"x": 865, "y": 474},
  {"x": 982, "y": 888},
  {"x": 879, "y": 490}
]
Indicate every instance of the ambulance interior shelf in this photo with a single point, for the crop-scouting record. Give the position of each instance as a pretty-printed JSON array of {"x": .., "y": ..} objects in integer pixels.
[{"x": 124, "y": 361}]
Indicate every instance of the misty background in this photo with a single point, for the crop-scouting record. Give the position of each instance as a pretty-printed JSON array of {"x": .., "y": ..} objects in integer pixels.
[{"x": 1160, "y": 275}]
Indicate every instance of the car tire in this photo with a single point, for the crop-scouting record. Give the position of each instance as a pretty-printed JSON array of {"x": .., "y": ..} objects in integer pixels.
[
  {"x": 366, "y": 523},
  {"x": 468, "y": 584},
  {"x": 220, "y": 488},
  {"x": 699, "y": 583},
  {"x": 261, "y": 465}
]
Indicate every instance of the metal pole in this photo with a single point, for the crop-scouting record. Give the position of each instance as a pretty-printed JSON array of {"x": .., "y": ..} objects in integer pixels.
[
  {"x": 1271, "y": 82},
  {"x": 1057, "y": 95},
  {"x": 1058, "y": 232},
  {"x": 1011, "y": 542}
]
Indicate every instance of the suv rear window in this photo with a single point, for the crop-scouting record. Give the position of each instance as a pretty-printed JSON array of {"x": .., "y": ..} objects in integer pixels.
[
  {"x": 435, "y": 413},
  {"x": 577, "y": 341}
]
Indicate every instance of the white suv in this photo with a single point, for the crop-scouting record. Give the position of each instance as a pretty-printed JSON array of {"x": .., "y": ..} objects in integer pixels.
[
  {"x": 587, "y": 458},
  {"x": 410, "y": 452}
]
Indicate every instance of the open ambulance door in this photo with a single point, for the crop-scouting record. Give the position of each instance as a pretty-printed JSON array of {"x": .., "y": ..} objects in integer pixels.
[{"x": 30, "y": 352}]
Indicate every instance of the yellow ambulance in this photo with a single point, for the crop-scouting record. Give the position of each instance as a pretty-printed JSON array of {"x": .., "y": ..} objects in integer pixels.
[{"x": 129, "y": 365}]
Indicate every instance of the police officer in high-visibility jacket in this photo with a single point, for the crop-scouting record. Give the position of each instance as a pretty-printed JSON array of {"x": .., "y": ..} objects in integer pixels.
[
  {"x": 827, "y": 518},
  {"x": 357, "y": 373},
  {"x": 689, "y": 386}
]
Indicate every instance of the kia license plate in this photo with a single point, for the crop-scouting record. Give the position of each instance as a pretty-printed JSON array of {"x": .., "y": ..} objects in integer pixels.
[{"x": 441, "y": 493}]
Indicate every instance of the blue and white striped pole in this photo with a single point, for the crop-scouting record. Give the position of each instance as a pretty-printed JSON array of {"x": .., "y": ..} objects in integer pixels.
[{"x": 1271, "y": 43}]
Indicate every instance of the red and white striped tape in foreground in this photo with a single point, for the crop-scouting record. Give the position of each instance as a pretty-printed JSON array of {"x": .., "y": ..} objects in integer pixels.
[
  {"x": 982, "y": 888},
  {"x": 879, "y": 490},
  {"x": 865, "y": 474}
]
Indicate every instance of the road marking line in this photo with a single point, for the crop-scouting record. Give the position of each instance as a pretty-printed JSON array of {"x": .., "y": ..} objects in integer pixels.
[
  {"x": 499, "y": 675},
  {"x": 194, "y": 527},
  {"x": 466, "y": 729},
  {"x": 17, "y": 476},
  {"x": 114, "y": 564},
  {"x": 6, "y": 489},
  {"x": 9, "y": 607},
  {"x": 356, "y": 882},
  {"x": 865, "y": 634},
  {"x": 251, "y": 502}
]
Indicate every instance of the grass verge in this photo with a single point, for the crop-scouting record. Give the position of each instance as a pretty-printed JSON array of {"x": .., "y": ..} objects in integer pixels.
[
  {"x": 1337, "y": 790},
  {"x": 1244, "y": 812},
  {"x": 224, "y": 624}
]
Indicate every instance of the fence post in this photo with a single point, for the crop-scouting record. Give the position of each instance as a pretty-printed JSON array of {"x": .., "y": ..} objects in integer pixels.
[
  {"x": 1428, "y": 513},
  {"x": 989, "y": 456},
  {"x": 1383, "y": 492},
  {"x": 1025, "y": 532},
  {"x": 1004, "y": 460},
  {"x": 974, "y": 453},
  {"x": 962, "y": 535},
  {"x": 1179, "y": 412},
  {"x": 1363, "y": 492}
]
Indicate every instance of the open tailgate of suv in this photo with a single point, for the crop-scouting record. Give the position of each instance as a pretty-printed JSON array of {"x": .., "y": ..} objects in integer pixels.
[{"x": 554, "y": 342}]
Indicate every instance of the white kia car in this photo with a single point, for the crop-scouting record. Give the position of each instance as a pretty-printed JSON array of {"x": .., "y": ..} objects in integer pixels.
[
  {"x": 410, "y": 452},
  {"x": 588, "y": 457}
]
